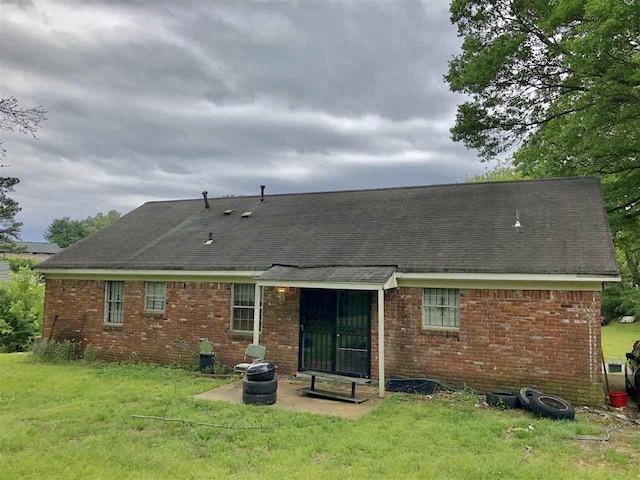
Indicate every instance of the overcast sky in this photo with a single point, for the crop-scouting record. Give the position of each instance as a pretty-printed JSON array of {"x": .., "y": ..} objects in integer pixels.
[{"x": 154, "y": 101}]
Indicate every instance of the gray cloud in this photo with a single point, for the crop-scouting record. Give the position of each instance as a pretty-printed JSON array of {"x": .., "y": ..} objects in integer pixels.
[{"x": 162, "y": 100}]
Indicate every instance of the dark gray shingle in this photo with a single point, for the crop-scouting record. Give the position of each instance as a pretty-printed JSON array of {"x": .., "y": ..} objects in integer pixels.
[
  {"x": 441, "y": 228},
  {"x": 329, "y": 274}
]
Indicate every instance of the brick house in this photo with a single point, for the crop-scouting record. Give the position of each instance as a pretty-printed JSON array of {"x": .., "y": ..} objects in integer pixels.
[{"x": 488, "y": 285}]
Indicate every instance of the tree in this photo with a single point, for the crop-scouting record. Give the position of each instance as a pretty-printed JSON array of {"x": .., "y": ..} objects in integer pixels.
[
  {"x": 557, "y": 83},
  {"x": 100, "y": 220},
  {"x": 13, "y": 118},
  {"x": 9, "y": 227},
  {"x": 65, "y": 231},
  {"x": 502, "y": 172}
]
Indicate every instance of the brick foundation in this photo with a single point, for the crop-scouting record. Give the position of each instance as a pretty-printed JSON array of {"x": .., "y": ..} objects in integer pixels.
[{"x": 507, "y": 338}]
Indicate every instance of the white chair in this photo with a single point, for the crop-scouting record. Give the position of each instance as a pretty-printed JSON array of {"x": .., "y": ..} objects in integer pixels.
[{"x": 253, "y": 351}]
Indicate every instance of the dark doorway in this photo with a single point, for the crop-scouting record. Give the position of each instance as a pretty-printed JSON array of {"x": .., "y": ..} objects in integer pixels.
[{"x": 335, "y": 332}]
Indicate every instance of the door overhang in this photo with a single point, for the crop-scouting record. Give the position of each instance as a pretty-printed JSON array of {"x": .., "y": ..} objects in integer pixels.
[{"x": 336, "y": 278}]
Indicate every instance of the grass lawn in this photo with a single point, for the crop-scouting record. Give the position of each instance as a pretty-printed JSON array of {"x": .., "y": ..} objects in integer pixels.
[
  {"x": 74, "y": 421},
  {"x": 618, "y": 338}
]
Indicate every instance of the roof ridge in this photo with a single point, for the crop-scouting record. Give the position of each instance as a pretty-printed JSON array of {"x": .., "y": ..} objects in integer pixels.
[{"x": 380, "y": 189}]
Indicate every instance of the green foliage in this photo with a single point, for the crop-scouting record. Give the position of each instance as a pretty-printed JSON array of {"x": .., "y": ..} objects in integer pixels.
[
  {"x": 56, "y": 351},
  {"x": 560, "y": 81},
  {"x": 21, "y": 309},
  {"x": 65, "y": 231},
  {"x": 89, "y": 353},
  {"x": 17, "y": 263},
  {"x": 502, "y": 172},
  {"x": 9, "y": 227}
]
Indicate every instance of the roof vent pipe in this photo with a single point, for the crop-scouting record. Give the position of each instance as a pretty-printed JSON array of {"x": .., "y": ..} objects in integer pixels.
[
  {"x": 206, "y": 200},
  {"x": 262, "y": 193},
  {"x": 517, "y": 224}
]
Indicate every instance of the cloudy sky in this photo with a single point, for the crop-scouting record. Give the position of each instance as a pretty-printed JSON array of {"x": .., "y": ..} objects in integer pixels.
[{"x": 152, "y": 100}]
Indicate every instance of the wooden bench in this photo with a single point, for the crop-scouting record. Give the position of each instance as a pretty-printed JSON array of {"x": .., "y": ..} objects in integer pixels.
[{"x": 314, "y": 392}]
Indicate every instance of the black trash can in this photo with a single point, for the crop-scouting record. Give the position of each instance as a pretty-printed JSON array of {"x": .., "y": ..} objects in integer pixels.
[{"x": 206, "y": 362}]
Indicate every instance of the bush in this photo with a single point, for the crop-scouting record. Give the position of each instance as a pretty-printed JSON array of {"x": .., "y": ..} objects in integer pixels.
[
  {"x": 56, "y": 351},
  {"x": 89, "y": 353},
  {"x": 21, "y": 309},
  {"x": 15, "y": 264}
]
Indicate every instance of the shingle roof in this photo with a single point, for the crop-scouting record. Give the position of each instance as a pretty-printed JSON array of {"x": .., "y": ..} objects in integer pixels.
[
  {"x": 329, "y": 274},
  {"x": 441, "y": 228},
  {"x": 38, "y": 247}
]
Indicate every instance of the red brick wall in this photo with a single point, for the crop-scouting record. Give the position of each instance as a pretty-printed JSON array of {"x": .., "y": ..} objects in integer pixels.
[
  {"x": 507, "y": 338},
  {"x": 193, "y": 310}
]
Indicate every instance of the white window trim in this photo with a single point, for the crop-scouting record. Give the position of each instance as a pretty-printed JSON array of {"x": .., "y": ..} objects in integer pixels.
[
  {"x": 231, "y": 329},
  {"x": 106, "y": 302},
  {"x": 146, "y": 294},
  {"x": 436, "y": 327}
]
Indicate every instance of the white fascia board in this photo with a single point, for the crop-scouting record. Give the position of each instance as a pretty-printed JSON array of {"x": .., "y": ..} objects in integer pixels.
[
  {"x": 161, "y": 274},
  {"x": 516, "y": 277},
  {"x": 326, "y": 285}
]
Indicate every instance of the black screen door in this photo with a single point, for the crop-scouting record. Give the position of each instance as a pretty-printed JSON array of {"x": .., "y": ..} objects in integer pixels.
[{"x": 335, "y": 332}]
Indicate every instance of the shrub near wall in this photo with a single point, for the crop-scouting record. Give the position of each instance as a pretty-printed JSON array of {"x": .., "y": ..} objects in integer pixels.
[{"x": 21, "y": 310}]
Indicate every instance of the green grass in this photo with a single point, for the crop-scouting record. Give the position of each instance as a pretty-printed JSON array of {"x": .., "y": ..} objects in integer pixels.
[
  {"x": 74, "y": 421},
  {"x": 618, "y": 338}
]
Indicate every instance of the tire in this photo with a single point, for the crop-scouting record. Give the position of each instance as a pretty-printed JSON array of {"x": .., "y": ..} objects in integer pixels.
[
  {"x": 553, "y": 407},
  {"x": 255, "y": 399},
  {"x": 502, "y": 399},
  {"x": 259, "y": 388},
  {"x": 260, "y": 377},
  {"x": 524, "y": 397}
]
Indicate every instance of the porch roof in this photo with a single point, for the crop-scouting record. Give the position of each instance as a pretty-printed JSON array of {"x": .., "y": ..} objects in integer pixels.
[{"x": 377, "y": 276}]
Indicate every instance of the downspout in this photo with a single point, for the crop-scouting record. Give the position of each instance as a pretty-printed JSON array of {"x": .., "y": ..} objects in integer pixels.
[
  {"x": 381, "y": 379},
  {"x": 256, "y": 315}
]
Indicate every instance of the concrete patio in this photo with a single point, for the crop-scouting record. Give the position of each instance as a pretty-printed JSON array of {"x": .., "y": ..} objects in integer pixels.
[{"x": 290, "y": 399}]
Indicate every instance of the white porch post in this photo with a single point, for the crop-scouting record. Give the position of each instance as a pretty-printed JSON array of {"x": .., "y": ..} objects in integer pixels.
[
  {"x": 381, "y": 379},
  {"x": 256, "y": 315}
]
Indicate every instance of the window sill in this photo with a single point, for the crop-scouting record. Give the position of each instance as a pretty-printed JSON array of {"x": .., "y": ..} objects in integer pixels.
[
  {"x": 441, "y": 332},
  {"x": 154, "y": 313},
  {"x": 240, "y": 333},
  {"x": 112, "y": 327}
]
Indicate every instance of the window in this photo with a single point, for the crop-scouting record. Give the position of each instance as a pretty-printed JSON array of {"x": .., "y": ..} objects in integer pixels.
[
  {"x": 114, "y": 303},
  {"x": 243, "y": 300},
  {"x": 156, "y": 297},
  {"x": 441, "y": 308}
]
